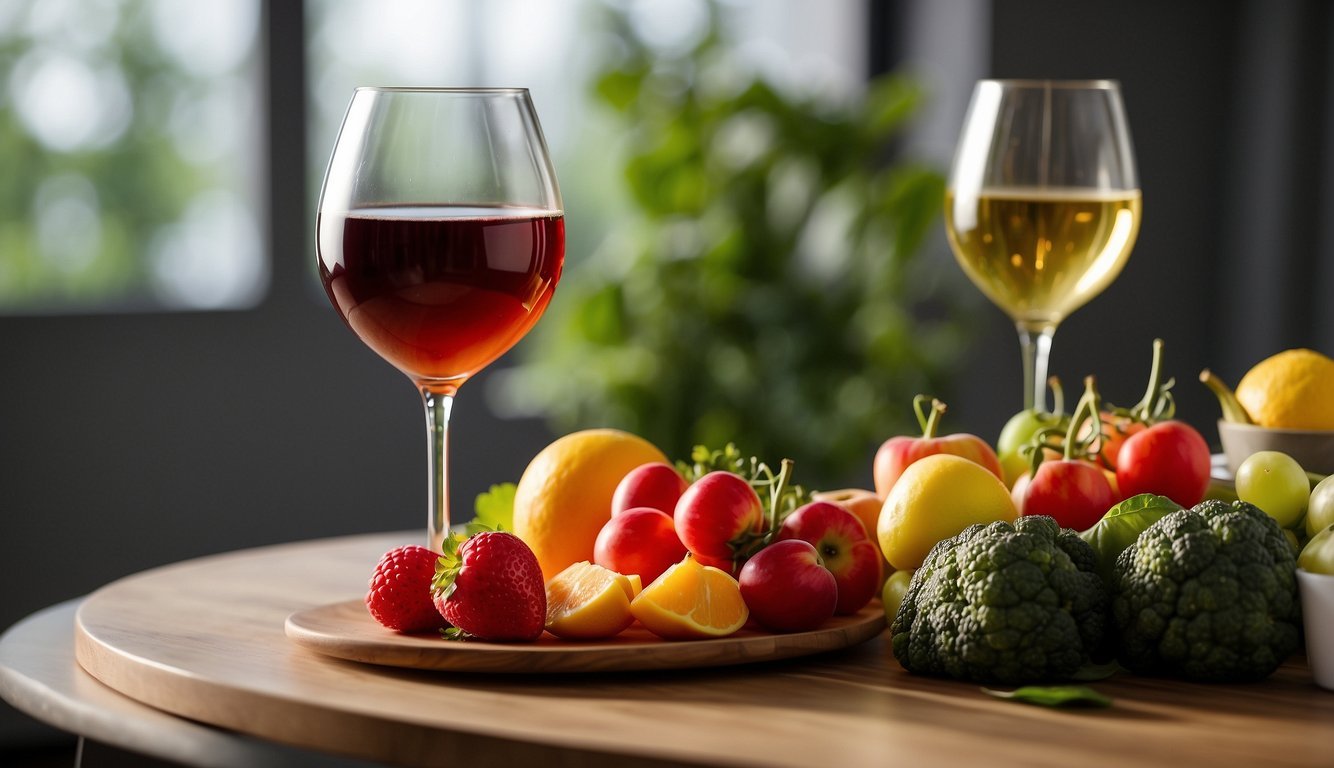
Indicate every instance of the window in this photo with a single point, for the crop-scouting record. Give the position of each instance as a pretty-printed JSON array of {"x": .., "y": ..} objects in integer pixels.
[
  {"x": 554, "y": 49},
  {"x": 130, "y": 145}
]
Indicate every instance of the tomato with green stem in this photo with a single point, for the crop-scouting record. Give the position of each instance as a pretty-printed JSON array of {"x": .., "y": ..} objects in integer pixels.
[
  {"x": 1166, "y": 457},
  {"x": 1120, "y": 424},
  {"x": 1020, "y": 429},
  {"x": 1072, "y": 489}
]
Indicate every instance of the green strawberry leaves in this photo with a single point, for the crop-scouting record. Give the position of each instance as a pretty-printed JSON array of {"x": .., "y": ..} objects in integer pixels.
[{"x": 447, "y": 567}]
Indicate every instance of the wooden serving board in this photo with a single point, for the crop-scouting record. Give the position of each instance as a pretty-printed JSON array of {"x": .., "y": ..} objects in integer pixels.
[{"x": 345, "y": 630}]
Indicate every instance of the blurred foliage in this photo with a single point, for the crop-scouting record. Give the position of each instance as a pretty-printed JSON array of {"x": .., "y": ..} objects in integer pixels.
[
  {"x": 764, "y": 290},
  {"x": 138, "y": 183}
]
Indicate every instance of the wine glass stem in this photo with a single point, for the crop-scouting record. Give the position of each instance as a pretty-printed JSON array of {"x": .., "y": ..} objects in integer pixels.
[
  {"x": 1035, "y": 345},
  {"x": 438, "y": 406}
]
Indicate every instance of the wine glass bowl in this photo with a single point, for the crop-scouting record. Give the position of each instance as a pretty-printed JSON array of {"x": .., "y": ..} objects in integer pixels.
[
  {"x": 1043, "y": 203},
  {"x": 441, "y": 238}
]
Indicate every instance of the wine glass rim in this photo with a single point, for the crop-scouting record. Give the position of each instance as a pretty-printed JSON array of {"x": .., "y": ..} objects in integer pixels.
[
  {"x": 1104, "y": 84},
  {"x": 432, "y": 89}
]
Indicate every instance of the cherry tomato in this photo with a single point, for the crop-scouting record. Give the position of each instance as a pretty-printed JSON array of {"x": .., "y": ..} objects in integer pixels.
[
  {"x": 1170, "y": 459},
  {"x": 1075, "y": 493}
]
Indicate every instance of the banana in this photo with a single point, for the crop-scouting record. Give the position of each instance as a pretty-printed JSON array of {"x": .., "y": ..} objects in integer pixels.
[{"x": 1232, "y": 409}]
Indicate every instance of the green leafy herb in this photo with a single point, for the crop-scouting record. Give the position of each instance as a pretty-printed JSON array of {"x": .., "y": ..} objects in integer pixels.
[
  {"x": 495, "y": 510},
  {"x": 1054, "y": 696},
  {"x": 1123, "y": 524}
]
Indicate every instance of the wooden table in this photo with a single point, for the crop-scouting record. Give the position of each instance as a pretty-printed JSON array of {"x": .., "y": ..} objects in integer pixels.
[{"x": 204, "y": 640}]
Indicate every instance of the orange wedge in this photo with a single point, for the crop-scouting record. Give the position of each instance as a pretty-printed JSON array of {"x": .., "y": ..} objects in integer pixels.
[
  {"x": 587, "y": 602},
  {"x": 636, "y": 584},
  {"x": 691, "y": 601}
]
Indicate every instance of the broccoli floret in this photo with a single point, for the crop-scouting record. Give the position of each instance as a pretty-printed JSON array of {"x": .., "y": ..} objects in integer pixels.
[
  {"x": 1208, "y": 593},
  {"x": 1003, "y": 603}
]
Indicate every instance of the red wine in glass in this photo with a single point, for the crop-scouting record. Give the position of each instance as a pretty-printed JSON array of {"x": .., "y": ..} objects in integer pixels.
[
  {"x": 440, "y": 291},
  {"x": 441, "y": 239}
]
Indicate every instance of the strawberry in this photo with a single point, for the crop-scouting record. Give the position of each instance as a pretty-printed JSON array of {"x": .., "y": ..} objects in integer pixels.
[
  {"x": 400, "y": 590},
  {"x": 490, "y": 586}
]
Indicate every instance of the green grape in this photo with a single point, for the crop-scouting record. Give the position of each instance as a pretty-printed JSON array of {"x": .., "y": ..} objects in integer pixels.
[
  {"x": 1318, "y": 556},
  {"x": 895, "y": 588},
  {"x": 1276, "y": 483},
  {"x": 1320, "y": 510}
]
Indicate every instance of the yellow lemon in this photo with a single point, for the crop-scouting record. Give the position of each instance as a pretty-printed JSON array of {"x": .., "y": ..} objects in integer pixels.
[
  {"x": 1291, "y": 390},
  {"x": 588, "y": 602},
  {"x": 564, "y": 496},
  {"x": 935, "y": 498},
  {"x": 690, "y": 601}
]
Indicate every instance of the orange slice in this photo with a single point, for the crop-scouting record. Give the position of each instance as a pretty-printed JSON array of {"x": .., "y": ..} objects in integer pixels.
[
  {"x": 691, "y": 601},
  {"x": 636, "y": 584},
  {"x": 586, "y": 602}
]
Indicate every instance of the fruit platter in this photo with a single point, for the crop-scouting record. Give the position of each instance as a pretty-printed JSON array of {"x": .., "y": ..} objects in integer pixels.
[{"x": 1078, "y": 547}]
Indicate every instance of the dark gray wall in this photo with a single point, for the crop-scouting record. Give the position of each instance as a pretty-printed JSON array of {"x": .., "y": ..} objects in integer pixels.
[{"x": 1228, "y": 106}]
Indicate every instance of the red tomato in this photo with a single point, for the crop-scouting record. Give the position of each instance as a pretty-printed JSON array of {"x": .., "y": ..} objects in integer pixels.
[
  {"x": 1115, "y": 431},
  {"x": 1170, "y": 459},
  {"x": 1075, "y": 493}
]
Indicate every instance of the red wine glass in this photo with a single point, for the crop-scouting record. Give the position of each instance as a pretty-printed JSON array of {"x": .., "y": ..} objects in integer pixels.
[{"x": 441, "y": 238}]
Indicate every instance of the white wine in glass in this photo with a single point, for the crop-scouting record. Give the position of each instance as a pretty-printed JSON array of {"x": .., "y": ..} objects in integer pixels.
[{"x": 1043, "y": 204}]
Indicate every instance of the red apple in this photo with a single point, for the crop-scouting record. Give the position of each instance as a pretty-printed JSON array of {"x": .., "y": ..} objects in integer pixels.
[
  {"x": 787, "y": 588},
  {"x": 846, "y": 550},
  {"x": 897, "y": 453},
  {"x": 656, "y": 484},
  {"x": 641, "y": 541},
  {"x": 719, "y": 515},
  {"x": 866, "y": 505}
]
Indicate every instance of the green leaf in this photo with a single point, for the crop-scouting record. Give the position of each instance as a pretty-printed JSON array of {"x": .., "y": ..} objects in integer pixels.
[
  {"x": 495, "y": 509},
  {"x": 1054, "y": 696},
  {"x": 447, "y": 566},
  {"x": 1122, "y": 524}
]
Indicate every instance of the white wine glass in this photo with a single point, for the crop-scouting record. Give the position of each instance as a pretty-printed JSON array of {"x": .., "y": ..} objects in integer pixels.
[{"x": 1043, "y": 204}]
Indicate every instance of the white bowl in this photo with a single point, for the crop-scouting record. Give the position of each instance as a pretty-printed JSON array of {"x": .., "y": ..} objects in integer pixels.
[
  {"x": 1313, "y": 449},
  {"x": 1317, "y": 592}
]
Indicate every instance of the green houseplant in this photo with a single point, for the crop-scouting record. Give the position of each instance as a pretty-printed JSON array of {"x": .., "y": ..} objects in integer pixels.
[{"x": 766, "y": 287}]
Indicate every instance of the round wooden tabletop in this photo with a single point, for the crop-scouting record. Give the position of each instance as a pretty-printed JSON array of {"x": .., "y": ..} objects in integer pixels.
[{"x": 204, "y": 640}]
